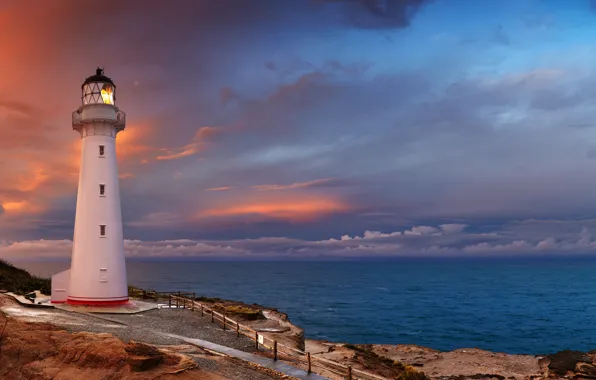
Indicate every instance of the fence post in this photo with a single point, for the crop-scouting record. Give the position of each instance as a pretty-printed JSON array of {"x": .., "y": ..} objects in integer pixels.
[
  {"x": 257, "y": 340},
  {"x": 275, "y": 350},
  {"x": 184, "y": 303},
  {"x": 155, "y": 295},
  {"x": 237, "y": 329},
  {"x": 211, "y": 315},
  {"x": 170, "y": 300},
  {"x": 178, "y": 300},
  {"x": 224, "y": 320},
  {"x": 309, "y": 367},
  {"x": 201, "y": 310},
  {"x": 193, "y": 301},
  {"x": 349, "y": 372}
]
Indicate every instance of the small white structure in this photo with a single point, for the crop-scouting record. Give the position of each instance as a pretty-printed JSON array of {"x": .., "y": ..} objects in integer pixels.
[{"x": 98, "y": 270}]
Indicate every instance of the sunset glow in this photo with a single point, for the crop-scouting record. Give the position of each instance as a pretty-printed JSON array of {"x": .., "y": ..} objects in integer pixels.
[
  {"x": 298, "y": 210},
  {"x": 241, "y": 120},
  {"x": 14, "y": 206}
]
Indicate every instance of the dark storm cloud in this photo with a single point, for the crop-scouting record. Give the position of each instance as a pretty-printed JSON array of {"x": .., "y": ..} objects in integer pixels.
[{"x": 377, "y": 14}]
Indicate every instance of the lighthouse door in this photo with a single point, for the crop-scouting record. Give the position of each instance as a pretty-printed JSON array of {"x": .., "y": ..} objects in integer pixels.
[{"x": 103, "y": 275}]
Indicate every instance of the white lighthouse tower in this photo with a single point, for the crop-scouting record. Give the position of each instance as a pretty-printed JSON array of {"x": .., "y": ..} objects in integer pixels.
[{"x": 97, "y": 276}]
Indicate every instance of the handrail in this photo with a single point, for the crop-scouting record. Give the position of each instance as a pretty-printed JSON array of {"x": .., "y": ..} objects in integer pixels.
[
  {"x": 235, "y": 326},
  {"x": 293, "y": 352},
  {"x": 119, "y": 121}
]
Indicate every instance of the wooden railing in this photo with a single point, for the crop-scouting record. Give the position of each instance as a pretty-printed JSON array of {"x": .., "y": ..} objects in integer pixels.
[{"x": 186, "y": 300}]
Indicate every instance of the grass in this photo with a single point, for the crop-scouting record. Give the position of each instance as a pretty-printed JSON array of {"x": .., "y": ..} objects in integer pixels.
[
  {"x": 246, "y": 312},
  {"x": 19, "y": 281},
  {"x": 208, "y": 299}
]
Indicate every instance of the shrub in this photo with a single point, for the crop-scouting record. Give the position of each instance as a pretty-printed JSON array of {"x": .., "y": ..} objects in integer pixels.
[{"x": 19, "y": 281}]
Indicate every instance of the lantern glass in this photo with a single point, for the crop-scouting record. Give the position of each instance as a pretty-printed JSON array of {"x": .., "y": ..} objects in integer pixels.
[{"x": 98, "y": 93}]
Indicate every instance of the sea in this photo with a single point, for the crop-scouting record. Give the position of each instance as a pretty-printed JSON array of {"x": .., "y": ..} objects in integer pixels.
[{"x": 513, "y": 305}]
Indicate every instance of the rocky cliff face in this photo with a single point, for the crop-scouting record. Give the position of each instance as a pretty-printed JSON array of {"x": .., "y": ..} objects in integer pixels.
[
  {"x": 570, "y": 365},
  {"x": 461, "y": 364}
]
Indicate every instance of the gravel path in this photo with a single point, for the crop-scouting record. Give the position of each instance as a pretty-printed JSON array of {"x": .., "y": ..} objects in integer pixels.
[
  {"x": 134, "y": 327},
  {"x": 186, "y": 323},
  {"x": 174, "y": 321}
]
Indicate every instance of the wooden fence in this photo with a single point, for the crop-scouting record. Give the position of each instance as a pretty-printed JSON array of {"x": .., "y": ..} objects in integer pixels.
[{"x": 186, "y": 300}]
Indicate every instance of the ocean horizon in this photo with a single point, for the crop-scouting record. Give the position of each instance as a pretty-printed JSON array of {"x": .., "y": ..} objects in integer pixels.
[{"x": 530, "y": 305}]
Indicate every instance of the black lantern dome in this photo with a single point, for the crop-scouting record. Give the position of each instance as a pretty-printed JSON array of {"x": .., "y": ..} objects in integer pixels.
[{"x": 98, "y": 89}]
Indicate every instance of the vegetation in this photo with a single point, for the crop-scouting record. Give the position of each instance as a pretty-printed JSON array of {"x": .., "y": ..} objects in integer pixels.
[
  {"x": 208, "y": 299},
  {"x": 410, "y": 373},
  {"x": 19, "y": 281},
  {"x": 383, "y": 365},
  {"x": 246, "y": 312}
]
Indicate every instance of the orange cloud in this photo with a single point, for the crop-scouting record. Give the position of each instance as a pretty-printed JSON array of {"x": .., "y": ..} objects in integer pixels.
[
  {"x": 295, "y": 210},
  {"x": 22, "y": 207},
  {"x": 224, "y": 188},
  {"x": 197, "y": 144},
  {"x": 130, "y": 143},
  {"x": 296, "y": 185},
  {"x": 31, "y": 181},
  {"x": 14, "y": 206}
]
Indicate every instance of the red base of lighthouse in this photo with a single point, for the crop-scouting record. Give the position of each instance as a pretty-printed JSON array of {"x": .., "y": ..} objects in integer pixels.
[{"x": 103, "y": 303}]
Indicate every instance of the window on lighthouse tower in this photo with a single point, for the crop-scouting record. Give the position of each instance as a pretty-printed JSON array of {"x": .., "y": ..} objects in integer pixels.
[
  {"x": 102, "y": 230},
  {"x": 102, "y": 150},
  {"x": 102, "y": 190}
]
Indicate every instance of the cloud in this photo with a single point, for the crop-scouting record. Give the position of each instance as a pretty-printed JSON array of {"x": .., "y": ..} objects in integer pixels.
[
  {"x": 426, "y": 149},
  {"x": 421, "y": 230},
  {"x": 296, "y": 185},
  {"x": 378, "y": 14},
  {"x": 156, "y": 219},
  {"x": 296, "y": 209},
  {"x": 453, "y": 228},
  {"x": 199, "y": 143},
  {"x": 223, "y": 188},
  {"x": 499, "y": 242}
]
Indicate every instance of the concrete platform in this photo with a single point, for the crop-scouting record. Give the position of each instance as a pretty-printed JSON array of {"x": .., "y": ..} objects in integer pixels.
[{"x": 133, "y": 307}]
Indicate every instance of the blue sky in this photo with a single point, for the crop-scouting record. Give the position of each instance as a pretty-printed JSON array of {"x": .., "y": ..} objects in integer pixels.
[{"x": 407, "y": 127}]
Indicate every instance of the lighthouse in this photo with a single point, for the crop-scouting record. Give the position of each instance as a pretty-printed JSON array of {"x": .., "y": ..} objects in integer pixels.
[{"x": 97, "y": 276}]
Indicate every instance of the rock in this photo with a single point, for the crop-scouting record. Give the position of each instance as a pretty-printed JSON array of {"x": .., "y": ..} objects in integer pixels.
[
  {"x": 142, "y": 357},
  {"x": 565, "y": 361},
  {"x": 584, "y": 369},
  {"x": 40, "y": 351},
  {"x": 143, "y": 363}
]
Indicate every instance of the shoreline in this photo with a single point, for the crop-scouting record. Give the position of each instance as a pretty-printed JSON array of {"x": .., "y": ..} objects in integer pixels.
[
  {"x": 459, "y": 364},
  {"x": 515, "y": 329},
  {"x": 385, "y": 360}
]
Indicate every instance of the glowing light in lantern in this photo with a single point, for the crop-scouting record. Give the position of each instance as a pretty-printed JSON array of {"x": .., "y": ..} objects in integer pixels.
[{"x": 107, "y": 94}]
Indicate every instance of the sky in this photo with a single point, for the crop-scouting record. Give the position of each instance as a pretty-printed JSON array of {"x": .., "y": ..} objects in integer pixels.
[{"x": 308, "y": 128}]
